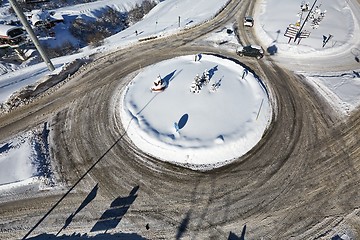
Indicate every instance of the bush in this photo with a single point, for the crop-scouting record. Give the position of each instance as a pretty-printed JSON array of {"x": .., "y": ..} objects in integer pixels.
[
  {"x": 139, "y": 11},
  {"x": 65, "y": 49},
  {"x": 96, "y": 39},
  {"x": 109, "y": 23}
]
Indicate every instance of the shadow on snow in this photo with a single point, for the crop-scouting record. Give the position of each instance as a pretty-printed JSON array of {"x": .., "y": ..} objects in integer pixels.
[
  {"x": 167, "y": 79},
  {"x": 183, "y": 120},
  {"x": 102, "y": 236},
  {"x": 212, "y": 71},
  {"x": 86, "y": 201},
  {"x": 183, "y": 226},
  {"x": 112, "y": 216},
  {"x": 233, "y": 236},
  {"x": 75, "y": 184}
]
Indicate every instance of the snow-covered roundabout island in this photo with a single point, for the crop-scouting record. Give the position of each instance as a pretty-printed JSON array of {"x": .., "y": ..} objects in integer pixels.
[{"x": 200, "y": 112}]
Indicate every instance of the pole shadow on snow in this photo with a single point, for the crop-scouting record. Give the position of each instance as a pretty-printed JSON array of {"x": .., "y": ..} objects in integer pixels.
[
  {"x": 277, "y": 36},
  {"x": 112, "y": 216},
  {"x": 233, "y": 236},
  {"x": 75, "y": 184},
  {"x": 79, "y": 236},
  {"x": 183, "y": 226},
  {"x": 91, "y": 196}
]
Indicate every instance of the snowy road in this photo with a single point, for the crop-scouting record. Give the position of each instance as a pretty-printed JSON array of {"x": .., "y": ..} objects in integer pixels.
[{"x": 299, "y": 182}]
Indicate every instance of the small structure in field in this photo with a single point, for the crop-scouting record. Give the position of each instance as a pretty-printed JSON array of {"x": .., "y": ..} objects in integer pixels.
[{"x": 159, "y": 85}]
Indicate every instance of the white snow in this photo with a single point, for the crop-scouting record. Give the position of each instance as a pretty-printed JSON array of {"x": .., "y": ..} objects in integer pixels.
[
  {"x": 221, "y": 122},
  {"x": 338, "y": 22},
  {"x": 224, "y": 37},
  {"x": 341, "y": 20},
  {"x": 168, "y": 17},
  {"x": 15, "y": 160},
  {"x": 341, "y": 88},
  {"x": 25, "y": 160}
]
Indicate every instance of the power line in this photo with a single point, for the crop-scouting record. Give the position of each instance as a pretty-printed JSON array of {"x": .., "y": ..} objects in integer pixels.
[{"x": 302, "y": 26}]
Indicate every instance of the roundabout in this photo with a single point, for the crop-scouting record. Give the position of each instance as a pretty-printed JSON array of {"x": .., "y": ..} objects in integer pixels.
[
  {"x": 299, "y": 180},
  {"x": 197, "y": 122}
]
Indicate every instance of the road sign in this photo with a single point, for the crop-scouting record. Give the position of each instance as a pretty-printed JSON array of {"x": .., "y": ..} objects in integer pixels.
[{"x": 293, "y": 32}]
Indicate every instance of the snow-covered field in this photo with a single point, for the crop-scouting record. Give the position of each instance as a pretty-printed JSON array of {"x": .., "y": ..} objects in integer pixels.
[
  {"x": 342, "y": 89},
  {"x": 169, "y": 16},
  {"x": 340, "y": 21},
  {"x": 14, "y": 157},
  {"x": 25, "y": 160}
]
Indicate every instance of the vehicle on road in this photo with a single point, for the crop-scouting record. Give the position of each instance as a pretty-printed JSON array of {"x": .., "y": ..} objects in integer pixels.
[
  {"x": 248, "y": 21},
  {"x": 251, "y": 51}
]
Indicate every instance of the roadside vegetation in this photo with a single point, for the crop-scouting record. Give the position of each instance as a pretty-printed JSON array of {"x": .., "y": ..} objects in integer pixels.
[
  {"x": 93, "y": 33},
  {"x": 89, "y": 32}
]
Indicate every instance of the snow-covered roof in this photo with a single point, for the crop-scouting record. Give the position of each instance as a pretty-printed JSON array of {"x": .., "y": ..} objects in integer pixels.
[
  {"x": 256, "y": 46},
  {"x": 5, "y": 29},
  {"x": 40, "y": 16},
  {"x": 35, "y": 19}
]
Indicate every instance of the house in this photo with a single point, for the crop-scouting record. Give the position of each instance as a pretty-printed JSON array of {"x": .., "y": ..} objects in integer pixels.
[
  {"x": 11, "y": 36},
  {"x": 44, "y": 18}
]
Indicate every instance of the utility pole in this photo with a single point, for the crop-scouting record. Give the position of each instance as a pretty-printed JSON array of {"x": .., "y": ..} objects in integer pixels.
[
  {"x": 302, "y": 26},
  {"x": 31, "y": 33}
]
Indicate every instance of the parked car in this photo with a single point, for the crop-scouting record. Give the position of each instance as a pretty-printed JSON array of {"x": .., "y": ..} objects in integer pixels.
[
  {"x": 248, "y": 21},
  {"x": 251, "y": 51}
]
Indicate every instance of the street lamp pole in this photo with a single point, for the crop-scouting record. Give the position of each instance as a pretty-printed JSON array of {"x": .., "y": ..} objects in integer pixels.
[
  {"x": 303, "y": 24},
  {"x": 31, "y": 33}
]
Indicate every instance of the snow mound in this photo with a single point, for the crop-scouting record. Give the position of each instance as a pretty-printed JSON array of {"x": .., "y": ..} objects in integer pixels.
[{"x": 203, "y": 127}]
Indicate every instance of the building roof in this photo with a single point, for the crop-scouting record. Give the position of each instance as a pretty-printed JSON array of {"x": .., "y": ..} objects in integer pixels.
[
  {"x": 44, "y": 16},
  {"x": 5, "y": 29}
]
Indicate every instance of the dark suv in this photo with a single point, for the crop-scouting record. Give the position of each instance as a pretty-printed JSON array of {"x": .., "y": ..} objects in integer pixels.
[{"x": 251, "y": 51}]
